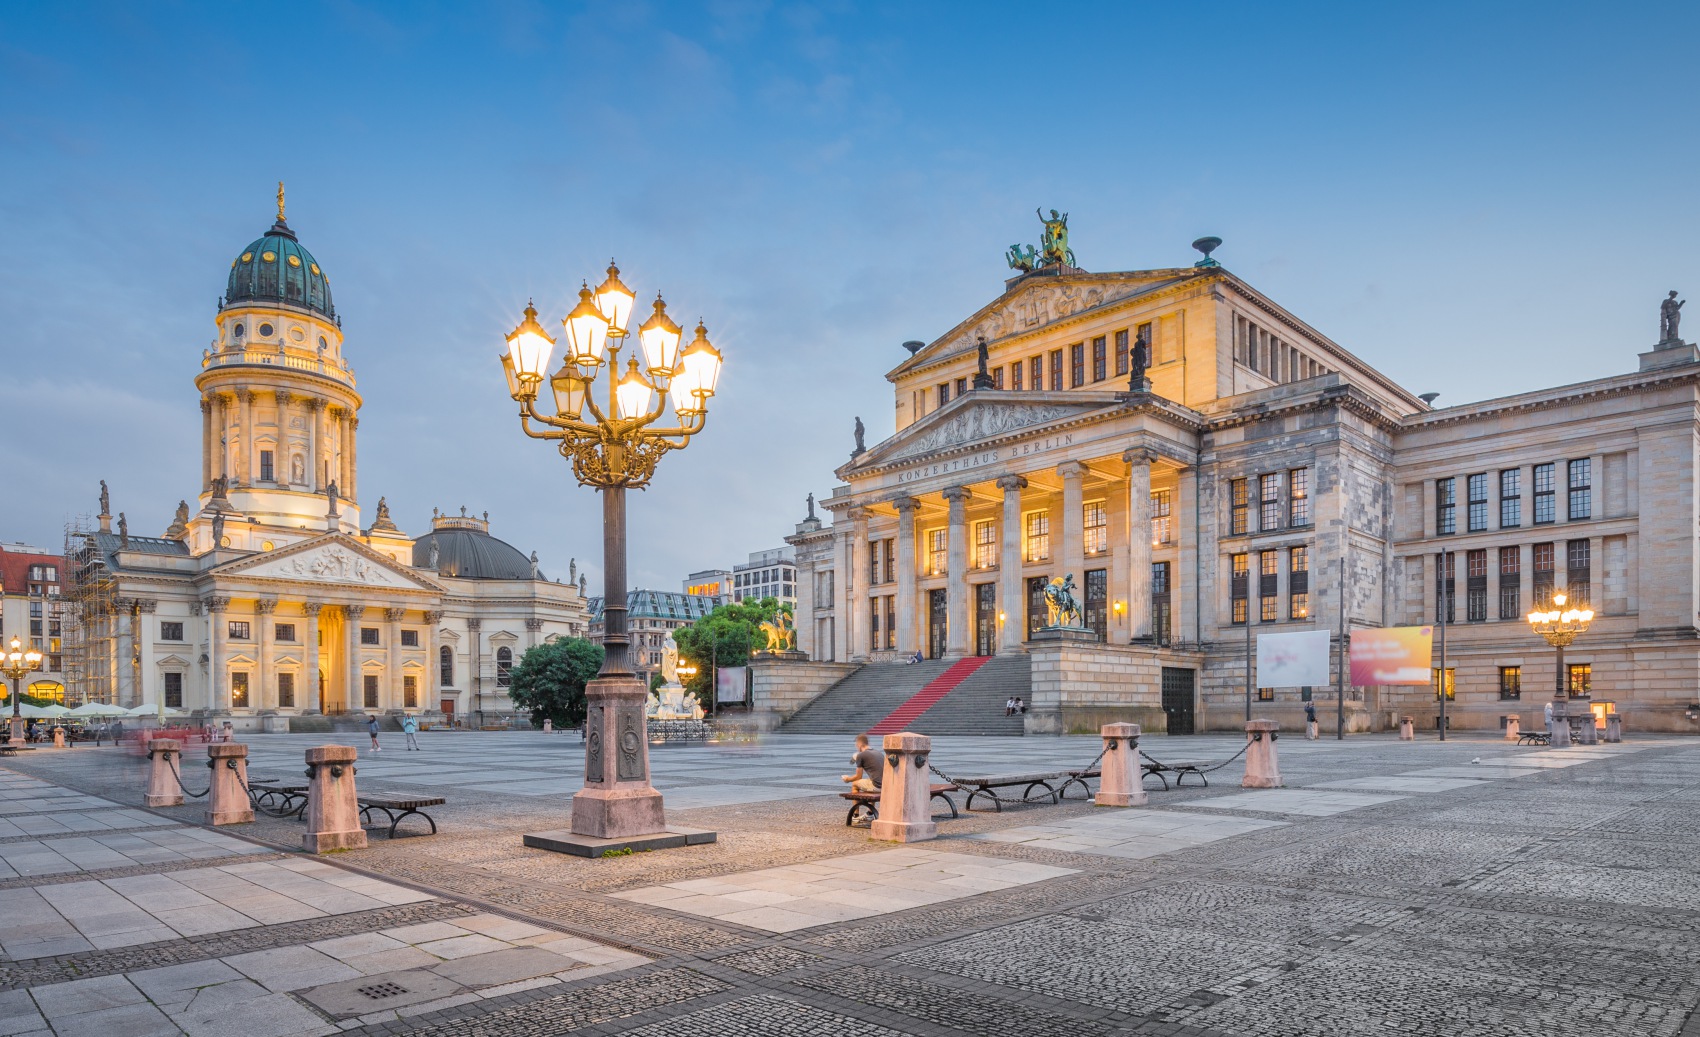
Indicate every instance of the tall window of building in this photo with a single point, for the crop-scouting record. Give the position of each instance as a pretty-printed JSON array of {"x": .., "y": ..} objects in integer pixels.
[
  {"x": 1162, "y": 521},
  {"x": 1475, "y": 586},
  {"x": 944, "y": 393},
  {"x": 961, "y": 385},
  {"x": 875, "y": 640},
  {"x": 1543, "y": 582},
  {"x": 890, "y": 567},
  {"x": 410, "y": 692},
  {"x": 1545, "y": 505},
  {"x": 1581, "y": 489},
  {"x": 1095, "y": 525},
  {"x": 1581, "y": 678},
  {"x": 1511, "y": 682},
  {"x": 1056, "y": 369},
  {"x": 1121, "y": 352},
  {"x": 1476, "y": 488},
  {"x": 1016, "y": 370},
  {"x": 171, "y": 631},
  {"x": 1445, "y": 506},
  {"x": 1578, "y": 576},
  {"x": 446, "y": 666},
  {"x": 266, "y": 466},
  {"x": 1239, "y": 580},
  {"x": 1447, "y": 679},
  {"x": 1268, "y": 580},
  {"x": 1100, "y": 359},
  {"x": 985, "y": 544},
  {"x": 876, "y": 559},
  {"x": 239, "y": 689},
  {"x": 504, "y": 667},
  {"x": 1239, "y": 504},
  {"x": 369, "y": 690},
  {"x": 369, "y": 636},
  {"x": 938, "y": 551},
  {"x": 1036, "y": 367},
  {"x": 1160, "y": 602},
  {"x": 1269, "y": 501},
  {"x": 1446, "y": 587},
  {"x": 285, "y": 690},
  {"x": 1298, "y": 582},
  {"x": 1510, "y": 576},
  {"x": 174, "y": 690},
  {"x": 1143, "y": 334},
  {"x": 1038, "y": 536},
  {"x": 1298, "y": 497},
  {"x": 239, "y": 629},
  {"x": 1077, "y": 365},
  {"x": 997, "y": 378},
  {"x": 891, "y": 621},
  {"x": 1510, "y": 498}
]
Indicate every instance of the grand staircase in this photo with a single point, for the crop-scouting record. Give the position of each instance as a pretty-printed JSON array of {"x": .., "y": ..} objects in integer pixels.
[{"x": 926, "y": 697}]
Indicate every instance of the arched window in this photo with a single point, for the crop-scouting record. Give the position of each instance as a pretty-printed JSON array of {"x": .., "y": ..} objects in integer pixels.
[
  {"x": 504, "y": 667},
  {"x": 446, "y": 666}
]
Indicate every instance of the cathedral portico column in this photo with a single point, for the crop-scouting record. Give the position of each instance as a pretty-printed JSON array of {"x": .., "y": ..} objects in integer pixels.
[
  {"x": 433, "y": 666},
  {"x": 218, "y": 689},
  {"x": 280, "y": 463},
  {"x": 397, "y": 699},
  {"x": 1013, "y": 601},
  {"x": 125, "y": 691},
  {"x": 261, "y": 696},
  {"x": 956, "y": 600},
  {"x": 1073, "y": 554},
  {"x": 856, "y": 604},
  {"x": 342, "y": 437},
  {"x": 311, "y": 691},
  {"x": 1139, "y": 543},
  {"x": 223, "y": 433},
  {"x": 206, "y": 443},
  {"x": 352, "y": 452},
  {"x": 144, "y": 651},
  {"x": 316, "y": 444},
  {"x": 907, "y": 641},
  {"x": 356, "y": 686},
  {"x": 245, "y": 460}
]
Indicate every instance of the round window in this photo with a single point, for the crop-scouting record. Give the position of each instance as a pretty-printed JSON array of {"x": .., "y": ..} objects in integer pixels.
[
  {"x": 297, "y": 334},
  {"x": 236, "y": 330},
  {"x": 267, "y": 330},
  {"x": 322, "y": 343}
]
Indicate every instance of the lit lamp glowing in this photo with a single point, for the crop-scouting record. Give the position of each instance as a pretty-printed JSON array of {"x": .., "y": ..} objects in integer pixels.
[
  {"x": 1559, "y": 628},
  {"x": 614, "y": 438},
  {"x": 18, "y": 662}
]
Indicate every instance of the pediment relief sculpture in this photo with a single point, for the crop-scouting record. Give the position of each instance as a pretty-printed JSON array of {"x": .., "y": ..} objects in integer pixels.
[
  {"x": 331, "y": 563},
  {"x": 1036, "y": 307},
  {"x": 978, "y": 423}
]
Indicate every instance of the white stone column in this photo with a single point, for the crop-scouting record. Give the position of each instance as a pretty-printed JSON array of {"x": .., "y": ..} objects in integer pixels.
[
  {"x": 125, "y": 690},
  {"x": 223, "y": 434},
  {"x": 308, "y": 694},
  {"x": 206, "y": 443},
  {"x": 433, "y": 666},
  {"x": 956, "y": 584},
  {"x": 218, "y": 687},
  {"x": 144, "y": 640},
  {"x": 1139, "y": 544},
  {"x": 352, "y": 457},
  {"x": 908, "y": 640},
  {"x": 356, "y": 694},
  {"x": 280, "y": 449},
  {"x": 342, "y": 441},
  {"x": 1073, "y": 556},
  {"x": 855, "y": 627},
  {"x": 841, "y": 647},
  {"x": 245, "y": 460},
  {"x": 261, "y": 695},
  {"x": 533, "y": 632},
  {"x": 315, "y": 444},
  {"x": 392, "y": 665},
  {"x": 1011, "y": 590}
]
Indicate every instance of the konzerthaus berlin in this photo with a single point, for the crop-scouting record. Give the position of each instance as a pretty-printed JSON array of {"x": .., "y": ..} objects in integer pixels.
[{"x": 1258, "y": 475}]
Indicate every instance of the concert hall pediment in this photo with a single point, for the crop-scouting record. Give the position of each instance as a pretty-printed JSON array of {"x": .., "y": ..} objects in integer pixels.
[
  {"x": 974, "y": 421},
  {"x": 330, "y": 559}
]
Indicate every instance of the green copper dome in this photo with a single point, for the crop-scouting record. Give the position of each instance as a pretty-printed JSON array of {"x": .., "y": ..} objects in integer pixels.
[{"x": 276, "y": 269}]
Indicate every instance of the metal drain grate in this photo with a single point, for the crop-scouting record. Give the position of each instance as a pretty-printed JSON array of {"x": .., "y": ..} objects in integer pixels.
[{"x": 380, "y": 991}]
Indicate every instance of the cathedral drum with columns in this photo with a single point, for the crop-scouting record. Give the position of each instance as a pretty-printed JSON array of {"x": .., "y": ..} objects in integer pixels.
[
  {"x": 270, "y": 599},
  {"x": 1208, "y": 467}
]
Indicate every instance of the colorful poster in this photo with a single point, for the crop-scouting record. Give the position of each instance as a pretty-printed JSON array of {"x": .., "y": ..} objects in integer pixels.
[
  {"x": 730, "y": 683},
  {"x": 1293, "y": 660},
  {"x": 1392, "y": 655}
]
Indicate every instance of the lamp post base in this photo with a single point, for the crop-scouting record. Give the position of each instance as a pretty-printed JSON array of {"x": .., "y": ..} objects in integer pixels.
[
  {"x": 617, "y": 800},
  {"x": 18, "y": 728}
]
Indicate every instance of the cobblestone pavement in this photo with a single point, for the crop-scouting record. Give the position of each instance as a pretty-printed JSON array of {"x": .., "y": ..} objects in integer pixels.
[{"x": 1466, "y": 888}]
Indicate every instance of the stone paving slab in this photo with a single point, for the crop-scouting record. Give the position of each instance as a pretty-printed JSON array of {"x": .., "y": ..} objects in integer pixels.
[
  {"x": 1309, "y": 802},
  {"x": 1131, "y": 834},
  {"x": 1400, "y": 783}
]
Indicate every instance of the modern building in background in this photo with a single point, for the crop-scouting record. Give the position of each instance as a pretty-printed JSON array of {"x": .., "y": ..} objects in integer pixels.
[
  {"x": 712, "y": 583},
  {"x": 1204, "y": 464},
  {"x": 651, "y": 616},
  {"x": 31, "y": 608},
  {"x": 767, "y": 574},
  {"x": 272, "y": 595}
]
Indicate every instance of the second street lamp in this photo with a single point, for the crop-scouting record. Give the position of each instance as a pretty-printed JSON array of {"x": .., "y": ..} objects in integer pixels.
[
  {"x": 613, "y": 445},
  {"x": 1559, "y": 628},
  {"x": 18, "y": 662}
]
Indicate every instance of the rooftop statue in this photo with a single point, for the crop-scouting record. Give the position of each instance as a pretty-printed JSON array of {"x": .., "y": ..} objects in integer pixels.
[
  {"x": 1670, "y": 315},
  {"x": 106, "y": 499},
  {"x": 861, "y": 431},
  {"x": 1053, "y": 248}
]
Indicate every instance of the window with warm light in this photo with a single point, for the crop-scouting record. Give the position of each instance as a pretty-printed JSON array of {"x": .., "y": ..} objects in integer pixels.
[
  {"x": 1451, "y": 683},
  {"x": 1511, "y": 682},
  {"x": 1162, "y": 522},
  {"x": 1298, "y": 582},
  {"x": 985, "y": 545},
  {"x": 1095, "y": 527},
  {"x": 1239, "y": 586},
  {"x": 239, "y": 690},
  {"x": 1239, "y": 503},
  {"x": 1298, "y": 497},
  {"x": 1038, "y": 539},
  {"x": 1268, "y": 577},
  {"x": 1269, "y": 501},
  {"x": 938, "y": 551},
  {"x": 1581, "y": 678}
]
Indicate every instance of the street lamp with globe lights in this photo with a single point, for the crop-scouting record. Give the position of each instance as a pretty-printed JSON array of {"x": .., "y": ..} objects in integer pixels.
[
  {"x": 1560, "y": 627},
  {"x": 18, "y": 662},
  {"x": 613, "y": 445}
]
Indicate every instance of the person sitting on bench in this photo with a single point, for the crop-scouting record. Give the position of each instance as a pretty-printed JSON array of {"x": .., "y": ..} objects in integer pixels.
[{"x": 870, "y": 767}]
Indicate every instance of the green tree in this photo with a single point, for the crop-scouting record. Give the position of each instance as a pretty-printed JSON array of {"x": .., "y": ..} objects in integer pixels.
[
  {"x": 550, "y": 678},
  {"x": 724, "y": 637}
]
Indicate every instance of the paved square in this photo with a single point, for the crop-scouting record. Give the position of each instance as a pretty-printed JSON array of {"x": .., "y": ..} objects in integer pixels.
[
  {"x": 1130, "y": 833},
  {"x": 1308, "y": 802}
]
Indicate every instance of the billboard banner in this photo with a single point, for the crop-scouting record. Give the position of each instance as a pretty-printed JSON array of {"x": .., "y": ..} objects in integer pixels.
[
  {"x": 1393, "y": 655},
  {"x": 730, "y": 683},
  {"x": 1292, "y": 660}
]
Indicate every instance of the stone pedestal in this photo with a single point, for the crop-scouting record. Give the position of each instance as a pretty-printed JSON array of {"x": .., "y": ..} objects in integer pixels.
[
  {"x": 1513, "y": 729},
  {"x": 906, "y": 814},
  {"x": 617, "y": 800},
  {"x": 1122, "y": 782},
  {"x": 274, "y": 724},
  {"x": 548, "y": 726},
  {"x": 227, "y": 797},
  {"x": 333, "y": 814},
  {"x": 1261, "y": 769},
  {"x": 19, "y": 729},
  {"x": 1558, "y": 729},
  {"x": 58, "y": 738},
  {"x": 1407, "y": 730},
  {"x": 163, "y": 757},
  {"x": 1614, "y": 727}
]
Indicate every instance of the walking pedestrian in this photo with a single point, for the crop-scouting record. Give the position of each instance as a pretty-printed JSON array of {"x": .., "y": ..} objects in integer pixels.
[
  {"x": 372, "y": 729},
  {"x": 410, "y": 728}
]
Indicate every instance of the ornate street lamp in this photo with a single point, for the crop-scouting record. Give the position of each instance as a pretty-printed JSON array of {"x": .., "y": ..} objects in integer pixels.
[
  {"x": 1560, "y": 627},
  {"x": 613, "y": 444},
  {"x": 18, "y": 662}
]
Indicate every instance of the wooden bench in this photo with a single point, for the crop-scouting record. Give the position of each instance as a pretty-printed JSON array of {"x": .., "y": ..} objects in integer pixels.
[
  {"x": 983, "y": 786},
  {"x": 277, "y": 798},
  {"x": 1534, "y": 736},
  {"x": 13, "y": 749},
  {"x": 1080, "y": 778},
  {"x": 865, "y": 806},
  {"x": 1179, "y": 770},
  {"x": 398, "y": 808}
]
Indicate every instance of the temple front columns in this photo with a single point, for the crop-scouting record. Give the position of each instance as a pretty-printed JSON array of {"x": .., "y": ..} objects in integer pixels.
[
  {"x": 907, "y": 642},
  {"x": 1012, "y": 597},
  {"x": 1139, "y": 543},
  {"x": 956, "y": 593},
  {"x": 1073, "y": 555}
]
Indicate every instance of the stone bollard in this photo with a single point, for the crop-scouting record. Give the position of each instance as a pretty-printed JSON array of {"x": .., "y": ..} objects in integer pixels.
[
  {"x": 1261, "y": 770},
  {"x": 333, "y": 814},
  {"x": 58, "y": 737},
  {"x": 1122, "y": 784},
  {"x": 227, "y": 795},
  {"x": 906, "y": 814},
  {"x": 1513, "y": 728},
  {"x": 548, "y": 726},
  {"x": 1407, "y": 730},
  {"x": 1614, "y": 727},
  {"x": 163, "y": 789},
  {"x": 1558, "y": 733}
]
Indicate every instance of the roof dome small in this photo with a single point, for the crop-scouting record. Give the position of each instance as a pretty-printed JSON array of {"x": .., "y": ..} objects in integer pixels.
[{"x": 466, "y": 550}]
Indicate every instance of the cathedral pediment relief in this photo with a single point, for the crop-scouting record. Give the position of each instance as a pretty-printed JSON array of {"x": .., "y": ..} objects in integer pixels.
[
  {"x": 976, "y": 423},
  {"x": 332, "y": 559}
]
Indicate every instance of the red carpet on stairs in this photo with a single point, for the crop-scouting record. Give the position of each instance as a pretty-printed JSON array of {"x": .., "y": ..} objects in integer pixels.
[{"x": 924, "y": 699}]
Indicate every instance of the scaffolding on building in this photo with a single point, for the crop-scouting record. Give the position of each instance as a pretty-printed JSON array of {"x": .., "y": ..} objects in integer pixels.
[{"x": 89, "y": 617}]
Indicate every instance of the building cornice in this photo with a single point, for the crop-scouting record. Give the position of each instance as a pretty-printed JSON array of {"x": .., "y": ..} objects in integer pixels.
[{"x": 1603, "y": 388}]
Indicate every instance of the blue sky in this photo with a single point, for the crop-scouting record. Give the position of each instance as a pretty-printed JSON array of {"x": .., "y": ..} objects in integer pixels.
[{"x": 1477, "y": 198}]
